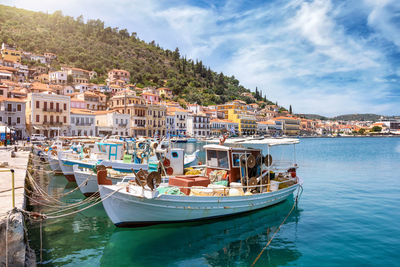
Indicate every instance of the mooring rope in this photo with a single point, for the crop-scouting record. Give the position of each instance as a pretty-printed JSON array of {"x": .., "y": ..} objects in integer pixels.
[{"x": 277, "y": 230}]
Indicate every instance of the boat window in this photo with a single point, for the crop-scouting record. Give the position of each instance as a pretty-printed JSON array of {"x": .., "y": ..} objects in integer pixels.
[
  {"x": 217, "y": 159},
  {"x": 236, "y": 159},
  {"x": 174, "y": 154}
]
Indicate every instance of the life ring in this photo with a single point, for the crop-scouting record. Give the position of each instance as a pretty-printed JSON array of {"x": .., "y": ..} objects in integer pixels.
[
  {"x": 153, "y": 180},
  {"x": 169, "y": 171},
  {"x": 166, "y": 163}
]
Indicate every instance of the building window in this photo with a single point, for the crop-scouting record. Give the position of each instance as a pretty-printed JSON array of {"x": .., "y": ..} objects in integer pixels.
[
  {"x": 45, "y": 118},
  {"x": 65, "y": 106},
  {"x": 18, "y": 120},
  {"x": 51, "y": 105},
  {"x": 19, "y": 108},
  {"x": 37, "y": 104},
  {"x": 37, "y": 116},
  {"x": 65, "y": 119}
]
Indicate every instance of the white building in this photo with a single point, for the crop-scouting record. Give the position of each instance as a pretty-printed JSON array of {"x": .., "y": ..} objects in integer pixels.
[
  {"x": 82, "y": 87},
  {"x": 39, "y": 58},
  {"x": 58, "y": 77},
  {"x": 110, "y": 122},
  {"x": 198, "y": 125},
  {"x": 170, "y": 124},
  {"x": 180, "y": 120},
  {"x": 220, "y": 126},
  {"x": 12, "y": 114},
  {"x": 270, "y": 127},
  {"x": 82, "y": 122}
]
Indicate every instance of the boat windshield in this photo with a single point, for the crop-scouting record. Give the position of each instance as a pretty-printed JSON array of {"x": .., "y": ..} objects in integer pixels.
[{"x": 217, "y": 159}]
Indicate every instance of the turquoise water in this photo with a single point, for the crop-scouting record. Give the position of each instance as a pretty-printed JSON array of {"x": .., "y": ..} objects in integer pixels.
[{"x": 348, "y": 215}]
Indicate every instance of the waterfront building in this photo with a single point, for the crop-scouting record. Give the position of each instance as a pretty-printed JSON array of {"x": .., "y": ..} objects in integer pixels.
[
  {"x": 49, "y": 56},
  {"x": 291, "y": 125},
  {"x": 92, "y": 74},
  {"x": 198, "y": 125},
  {"x": 41, "y": 78},
  {"x": 78, "y": 75},
  {"x": 12, "y": 114},
  {"x": 165, "y": 92},
  {"x": 38, "y": 87},
  {"x": 236, "y": 111},
  {"x": 170, "y": 124},
  {"x": 10, "y": 53},
  {"x": 179, "y": 119},
  {"x": 58, "y": 77},
  {"x": 271, "y": 127},
  {"x": 38, "y": 58},
  {"x": 116, "y": 74},
  {"x": 156, "y": 125},
  {"x": 221, "y": 126},
  {"x": 6, "y": 75},
  {"x": 47, "y": 114},
  {"x": 82, "y": 122},
  {"x": 77, "y": 103},
  {"x": 127, "y": 102},
  {"x": 111, "y": 122},
  {"x": 150, "y": 97}
]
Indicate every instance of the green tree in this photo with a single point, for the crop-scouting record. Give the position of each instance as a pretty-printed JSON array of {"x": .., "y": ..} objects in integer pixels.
[
  {"x": 70, "y": 79},
  {"x": 376, "y": 129},
  {"x": 361, "y": 131},
  {"x": 290, "y": 109}
]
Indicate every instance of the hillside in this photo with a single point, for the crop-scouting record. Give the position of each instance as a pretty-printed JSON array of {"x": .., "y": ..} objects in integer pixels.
[
  {"x": 358, "y": 117},
  {"x": 312, "y": 116},
  {"x": 93, "y": 46}
]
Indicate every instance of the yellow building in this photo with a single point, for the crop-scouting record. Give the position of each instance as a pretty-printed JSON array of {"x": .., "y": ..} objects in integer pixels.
[
  {"x": 10, "y": 53},
  {"x": 236, "y": 111},
  {"x": 127, "y": 102},
  {"x": 291, "y": 125},
  {"x": 156, "y": 120},
  {"x": 47, "y": 114}
]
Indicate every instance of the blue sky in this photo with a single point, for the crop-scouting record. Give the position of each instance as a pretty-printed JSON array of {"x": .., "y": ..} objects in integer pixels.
[{"x": 328, "y": 57}]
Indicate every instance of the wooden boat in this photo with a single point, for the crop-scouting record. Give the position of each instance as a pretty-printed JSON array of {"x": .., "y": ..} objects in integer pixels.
[{"x": 251, "y": 186}]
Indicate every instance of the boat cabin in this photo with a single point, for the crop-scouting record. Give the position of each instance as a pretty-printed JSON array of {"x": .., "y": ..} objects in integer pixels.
[{"x": 229, "y": 159}]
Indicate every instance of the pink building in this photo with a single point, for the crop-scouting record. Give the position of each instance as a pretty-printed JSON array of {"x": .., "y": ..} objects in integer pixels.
[
  {"x": 77, "y": 103},
  {"x": 150, "y": 97}
]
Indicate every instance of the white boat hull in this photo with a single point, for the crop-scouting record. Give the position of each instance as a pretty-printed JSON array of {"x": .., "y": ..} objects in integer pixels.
[
  {"x": 87, "y": 181},
  {"x": 67, "y": 171},
  {"x": 128, "y": 210},
  {"x": 54, "y": 163}
]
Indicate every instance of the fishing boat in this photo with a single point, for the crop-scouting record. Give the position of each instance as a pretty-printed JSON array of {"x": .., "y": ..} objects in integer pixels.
[
  {"x": 86, "y": 177},
  {"x": 235, "y": 180}
]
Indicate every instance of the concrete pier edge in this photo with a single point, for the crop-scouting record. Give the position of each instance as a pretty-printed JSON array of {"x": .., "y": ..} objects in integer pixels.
[{"x": 18, "y": 251}]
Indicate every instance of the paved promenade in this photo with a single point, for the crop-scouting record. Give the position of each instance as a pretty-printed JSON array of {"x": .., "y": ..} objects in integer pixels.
[{"x": 19, "y": 164}]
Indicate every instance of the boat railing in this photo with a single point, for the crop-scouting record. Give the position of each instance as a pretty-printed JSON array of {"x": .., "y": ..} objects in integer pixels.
[{"x": 226, "y": 188}]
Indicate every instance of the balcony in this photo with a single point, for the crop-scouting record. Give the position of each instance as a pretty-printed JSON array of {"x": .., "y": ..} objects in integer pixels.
[
  {"x": 10, "y": 110},
  {"x": 52, "y": 123},
  {"x": 83, "y": 124},
  {"x": 122, "y": 124},
  {"x": 52, "y": 110}
]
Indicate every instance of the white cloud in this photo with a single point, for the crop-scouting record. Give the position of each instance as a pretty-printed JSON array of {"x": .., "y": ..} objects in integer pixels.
[{"x": 295, "y": 50}]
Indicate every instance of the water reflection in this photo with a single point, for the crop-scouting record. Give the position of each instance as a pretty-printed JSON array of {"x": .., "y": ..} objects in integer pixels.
[
  {"x": 217, "y": 243},
  {"x": 89, "y": 238}
]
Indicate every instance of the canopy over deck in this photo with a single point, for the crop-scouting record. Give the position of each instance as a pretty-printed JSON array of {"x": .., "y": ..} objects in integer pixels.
[{"x": 266, "y": 141}]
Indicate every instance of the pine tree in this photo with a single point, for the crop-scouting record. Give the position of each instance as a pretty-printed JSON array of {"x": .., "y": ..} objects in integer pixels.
[{"x": 290, "y": 109}]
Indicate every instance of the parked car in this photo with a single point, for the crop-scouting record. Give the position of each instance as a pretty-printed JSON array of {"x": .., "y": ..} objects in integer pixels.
[{"x": 38, "y": 137}]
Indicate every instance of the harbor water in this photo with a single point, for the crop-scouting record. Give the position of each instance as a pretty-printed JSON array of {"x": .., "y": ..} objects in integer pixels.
[{"x": 348, "y": 215}]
